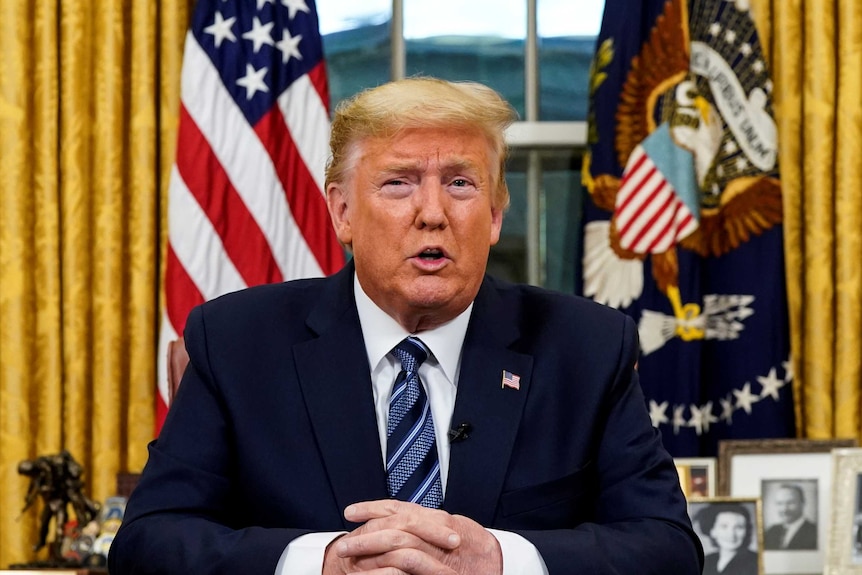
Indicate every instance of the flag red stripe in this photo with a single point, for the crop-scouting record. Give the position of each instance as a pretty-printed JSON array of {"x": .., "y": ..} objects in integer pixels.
[
  {"x": 181, "y": 293},
  {"x": 668, "y": 229},
  {"x": 648, "y": 196},
  {"x": 306, "y": 201},
  {"x": 631, "y": 192},
  {"x": 656, "y": 215},
  {"x": 317, "y": 75},
  {"x": 206, "y": 179}
]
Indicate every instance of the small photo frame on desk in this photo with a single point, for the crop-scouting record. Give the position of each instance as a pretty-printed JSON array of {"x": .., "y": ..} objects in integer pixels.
[
  {"x": 730, "y": 530},
  {"x": 844, "y": 555},
  {"x": 793, "y": 479},
  {"x": 696, "y": 476}
]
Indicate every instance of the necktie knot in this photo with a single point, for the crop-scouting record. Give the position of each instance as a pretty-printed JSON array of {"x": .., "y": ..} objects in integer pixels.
[{"x": 412, "y": 352}]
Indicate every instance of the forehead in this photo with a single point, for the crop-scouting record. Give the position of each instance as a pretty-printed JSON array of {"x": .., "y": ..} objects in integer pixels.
[
  {"x": 729, "y": 517},
  {"x": 422, "y": 147}
]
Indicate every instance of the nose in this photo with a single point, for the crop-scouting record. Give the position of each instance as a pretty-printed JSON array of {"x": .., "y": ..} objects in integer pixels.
[{"x": 431, "y": 205}]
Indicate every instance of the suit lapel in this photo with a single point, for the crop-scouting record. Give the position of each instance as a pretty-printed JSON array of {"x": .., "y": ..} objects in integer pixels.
[
  {"x": 336, "y": 385},
  {"x": 478, "y": 464}
]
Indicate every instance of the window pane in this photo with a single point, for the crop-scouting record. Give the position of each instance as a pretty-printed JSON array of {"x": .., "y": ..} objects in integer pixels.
[
  {"x": 356, "y": 42},
  {"x": 566, "y": 46},
  {"x": 479, "y": 40},
  {"x": 560, "y": 220}
]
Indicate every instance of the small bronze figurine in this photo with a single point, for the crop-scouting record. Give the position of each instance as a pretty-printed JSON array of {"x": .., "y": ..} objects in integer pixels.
[{"x": 57, "y": 480}]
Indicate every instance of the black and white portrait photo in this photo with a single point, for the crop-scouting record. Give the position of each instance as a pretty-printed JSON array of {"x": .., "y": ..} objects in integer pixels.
[
  {"x": 729, "y": 531},
  {"x": 790, "y": 514}
]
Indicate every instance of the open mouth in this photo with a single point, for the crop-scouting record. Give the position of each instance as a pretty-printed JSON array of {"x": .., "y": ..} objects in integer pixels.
[{"x": 431, "y": 254}]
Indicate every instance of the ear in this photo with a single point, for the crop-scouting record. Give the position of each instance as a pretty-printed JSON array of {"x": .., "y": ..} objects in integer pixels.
[
  {"x": 339, "y": 212},
  {"x": 496, "y": 225}
]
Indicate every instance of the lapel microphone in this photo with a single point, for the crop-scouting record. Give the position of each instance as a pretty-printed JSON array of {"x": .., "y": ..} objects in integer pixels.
[{"x": 460, "y": 433}]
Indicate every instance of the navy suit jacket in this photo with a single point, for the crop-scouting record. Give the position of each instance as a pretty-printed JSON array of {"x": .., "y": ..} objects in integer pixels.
[{"x": 273, "y": 433}]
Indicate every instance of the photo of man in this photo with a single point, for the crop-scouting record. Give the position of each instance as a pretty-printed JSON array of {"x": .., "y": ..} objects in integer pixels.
[{"x": 790, "y": 514}]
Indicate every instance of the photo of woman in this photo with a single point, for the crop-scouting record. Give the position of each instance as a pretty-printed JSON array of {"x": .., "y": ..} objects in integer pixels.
[{"x": 728, "y": 530}]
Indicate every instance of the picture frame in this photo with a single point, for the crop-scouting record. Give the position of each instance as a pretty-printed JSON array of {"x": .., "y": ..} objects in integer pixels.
[
  {"x": 729, "y": 527},
  {"x": 697, "y": 476},
  {"x": 793, "y": 479},
  {"x": 844, "y": 554}
]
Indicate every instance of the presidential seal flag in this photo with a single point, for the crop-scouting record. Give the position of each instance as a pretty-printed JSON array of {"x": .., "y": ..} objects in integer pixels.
[
  {"x": 683, "y": 224},
  {"x": 246, "y": 203}
]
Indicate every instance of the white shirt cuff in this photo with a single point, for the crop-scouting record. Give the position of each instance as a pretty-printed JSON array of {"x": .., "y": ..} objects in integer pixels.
[
  {"x": 304, "y": 555},
  {"x": 520, "y": 557}
]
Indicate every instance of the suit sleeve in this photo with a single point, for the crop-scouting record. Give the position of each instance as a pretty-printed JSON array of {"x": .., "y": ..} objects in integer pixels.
[
  {"x": 640, "y": 521},
  {"x": 183, "y": 516}
]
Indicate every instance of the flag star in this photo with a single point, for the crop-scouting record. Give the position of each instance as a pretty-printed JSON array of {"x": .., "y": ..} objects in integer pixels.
[
  {"x": 260, "y": 34},
  {"x": 730, "y": 147},
  {"x": 758, "y": 66},
  {"x": 696, "y": 420},
  {"x": 715, "y": 190},
  {"x": 221, "y": 29},
  {"x": 719, "y": 170},
  {"x": 771, "y": 385},
  {"x": 741, "y": 163},
  {"x": 744, "y": 398},
  {"x": 788, "y": 370},
  {"x": 745, "y": 49},
  {"x": 261, "y": 3},
  {"x": 678, "y": 418},
  {"x": 657, "y": 413},
  {"x": 253, "y": 81},
  {"x": 294, "y": 6},
  {"x": 714, "y": 29},
  {"x": 708, "y": 417},
  {"x": 289, "y": 46},
  {"x": 726, "y": 409},
  {"x": 730, "y": 36}
]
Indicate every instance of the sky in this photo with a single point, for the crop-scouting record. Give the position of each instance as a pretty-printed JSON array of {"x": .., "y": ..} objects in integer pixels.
[{"x": 503, "y": 18}]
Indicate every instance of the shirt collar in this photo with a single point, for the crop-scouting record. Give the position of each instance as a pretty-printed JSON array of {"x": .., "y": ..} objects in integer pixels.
[{"x": 382, "y": 333}]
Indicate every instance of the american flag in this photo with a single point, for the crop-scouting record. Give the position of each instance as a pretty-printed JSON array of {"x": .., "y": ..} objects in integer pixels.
[
  {"x": 511, "y": 380},
  {"x": 246, "y": 202}
]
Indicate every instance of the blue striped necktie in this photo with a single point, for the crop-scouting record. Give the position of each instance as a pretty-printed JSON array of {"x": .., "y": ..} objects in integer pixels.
[{"x": 412, "y": 466}]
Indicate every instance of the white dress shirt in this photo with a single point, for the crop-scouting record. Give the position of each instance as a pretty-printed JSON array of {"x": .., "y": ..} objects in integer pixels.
[{"x": 439, "y": 375}]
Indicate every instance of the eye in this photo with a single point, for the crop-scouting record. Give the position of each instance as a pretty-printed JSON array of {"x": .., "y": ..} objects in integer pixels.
[{"x": 460, "y": 183}]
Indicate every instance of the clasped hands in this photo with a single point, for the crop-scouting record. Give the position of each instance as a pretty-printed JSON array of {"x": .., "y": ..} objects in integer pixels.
[{"x": 400, "y": 538}]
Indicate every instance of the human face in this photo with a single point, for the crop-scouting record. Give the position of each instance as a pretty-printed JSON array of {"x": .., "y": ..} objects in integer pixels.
[
  {"x": 417, "y": 211},
  {"x": 788, "y": 505},
  {"x": 729, "y": 530}
]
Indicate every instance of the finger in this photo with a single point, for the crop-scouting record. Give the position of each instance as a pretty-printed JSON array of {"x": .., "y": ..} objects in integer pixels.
[
  {"x": 377, "y": 542},
  {"x": 434, "y": 526},
  {"x": 365, "y": 510},
  {"x": 409, "y": 561}
]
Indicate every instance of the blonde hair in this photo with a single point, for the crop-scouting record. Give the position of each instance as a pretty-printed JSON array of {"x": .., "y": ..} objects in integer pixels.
[{"x": 420, "y": 102}]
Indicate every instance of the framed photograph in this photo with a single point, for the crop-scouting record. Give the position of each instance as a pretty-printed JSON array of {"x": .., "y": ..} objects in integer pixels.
[
  {"x": 696, "y": 476},
  {"x": 730, "y": 529},
  {"x": 844, "y": 554},
  {"x": 793, "y": 479}
]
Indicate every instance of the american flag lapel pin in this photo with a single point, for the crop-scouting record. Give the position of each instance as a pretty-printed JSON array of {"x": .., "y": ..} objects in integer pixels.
[{"x": 511, "y": 380}]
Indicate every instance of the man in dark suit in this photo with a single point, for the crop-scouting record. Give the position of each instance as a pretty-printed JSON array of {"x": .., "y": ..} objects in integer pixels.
[
  {"x": 793, "y": 531},
  {"x": 528, "y": 450}
]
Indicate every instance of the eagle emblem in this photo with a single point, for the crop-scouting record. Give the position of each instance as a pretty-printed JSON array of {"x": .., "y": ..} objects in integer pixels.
[{"x": 695, "y": 133}]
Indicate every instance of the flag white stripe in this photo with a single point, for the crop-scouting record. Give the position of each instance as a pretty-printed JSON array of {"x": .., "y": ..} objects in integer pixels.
[{"x": 307, "y": 121}]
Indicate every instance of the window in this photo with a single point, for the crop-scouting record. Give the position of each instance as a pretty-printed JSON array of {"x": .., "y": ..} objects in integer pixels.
[{"x": 536, "y": 53}]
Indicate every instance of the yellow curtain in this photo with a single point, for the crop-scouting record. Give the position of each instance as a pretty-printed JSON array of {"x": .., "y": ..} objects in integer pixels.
[
  {"x": 816, "y": 55},
  {"x": 89, "y": 91}
]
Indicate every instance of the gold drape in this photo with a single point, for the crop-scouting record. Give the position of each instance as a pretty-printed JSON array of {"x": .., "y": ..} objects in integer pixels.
[
  {"x": 816, "y": 55},
  {"x": 89, "y": 91}
]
